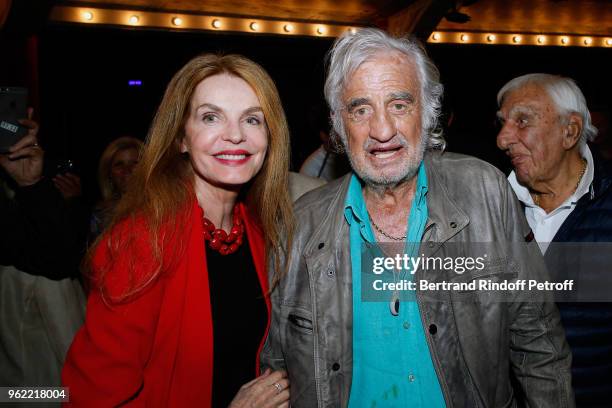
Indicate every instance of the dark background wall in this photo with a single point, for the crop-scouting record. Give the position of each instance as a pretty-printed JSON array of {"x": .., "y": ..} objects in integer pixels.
[{"x": 85, "y": 100}]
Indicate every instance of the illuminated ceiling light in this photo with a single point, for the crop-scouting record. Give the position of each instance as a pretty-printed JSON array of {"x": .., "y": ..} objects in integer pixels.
[
  {"x": 177, "y": 21},
  {"x": 541, "y": 39},
  {"x": 254, "y": 26},
  {"x": 88, "y": 15},
  {"x": 491, "y": 37},
  {"x": 517, "y": 39},
  {"x": 435, "y": 36},
  {"x": 320, "y": 30},
  {"x": 216, "y": 23},
  {"x": 588, "y": 41},
  {"x": 564, "y": 40},
  {"x": 608, "y": 42},
  {"x": 464, "y": 37},
  {"x": 134, "y": 19},
  {"x": 288, "y": 28}
]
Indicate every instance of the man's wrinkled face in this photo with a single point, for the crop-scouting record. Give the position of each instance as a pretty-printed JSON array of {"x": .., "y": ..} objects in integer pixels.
[
  {"x": 382, "y": 117},
  {"x": 532, "y": 134}
]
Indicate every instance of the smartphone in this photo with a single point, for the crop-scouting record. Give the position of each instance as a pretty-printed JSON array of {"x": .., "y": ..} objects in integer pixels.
[
  {"x": 65, "y": 166},
  {"x": 13, "y": 106}
]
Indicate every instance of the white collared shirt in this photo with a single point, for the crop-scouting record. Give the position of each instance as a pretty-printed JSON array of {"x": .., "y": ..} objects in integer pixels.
[{"x": 543, "y": 225}]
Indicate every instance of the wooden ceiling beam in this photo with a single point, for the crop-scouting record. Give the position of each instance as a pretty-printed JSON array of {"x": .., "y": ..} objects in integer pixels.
[
  {"x": 420, "y": 18},
  {"x": 24, "y": 17},
  {"x": 5, "y": 9}
]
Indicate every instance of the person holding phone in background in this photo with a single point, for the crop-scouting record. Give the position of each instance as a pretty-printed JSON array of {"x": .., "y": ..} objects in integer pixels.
[{"x": 42, "y": 301}]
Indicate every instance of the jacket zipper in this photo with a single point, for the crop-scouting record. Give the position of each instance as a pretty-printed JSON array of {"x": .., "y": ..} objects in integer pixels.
[{"x": 315, "y": 338}]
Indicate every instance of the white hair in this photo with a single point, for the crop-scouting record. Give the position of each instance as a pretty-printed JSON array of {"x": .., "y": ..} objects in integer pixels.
[
  {"x": 351, "y": 50},
  {"x": 565, "y": 94}
]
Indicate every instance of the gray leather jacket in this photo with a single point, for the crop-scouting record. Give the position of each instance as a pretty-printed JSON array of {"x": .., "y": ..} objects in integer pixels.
[{"x": 475, "y": 342}]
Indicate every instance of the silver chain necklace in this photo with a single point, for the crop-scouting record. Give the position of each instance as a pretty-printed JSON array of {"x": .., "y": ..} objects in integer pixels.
[
  {"x": 394, "y": 303},
  {"x": 383, "y": 232}
]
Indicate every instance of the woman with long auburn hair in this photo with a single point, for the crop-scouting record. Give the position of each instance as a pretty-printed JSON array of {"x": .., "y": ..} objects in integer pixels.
[{"x": 179, "y": 307}]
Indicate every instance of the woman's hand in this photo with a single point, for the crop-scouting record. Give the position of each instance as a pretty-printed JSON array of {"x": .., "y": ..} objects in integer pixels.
[
  {"x": 68, "y": 184},
  {"x": 24, "y": 162},
  {"x": 269, "y": 390}
]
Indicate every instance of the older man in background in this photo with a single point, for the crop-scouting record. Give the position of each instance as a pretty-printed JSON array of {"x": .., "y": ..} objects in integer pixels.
[
  {"x": 566, "y": 192},
  {"x": 462, "y": 350}
]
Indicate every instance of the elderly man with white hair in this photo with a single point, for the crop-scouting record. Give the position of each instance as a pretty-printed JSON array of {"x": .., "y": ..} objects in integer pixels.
[
  {"x": 344, "y": 342},
  {"x": 566, "y": 192}
]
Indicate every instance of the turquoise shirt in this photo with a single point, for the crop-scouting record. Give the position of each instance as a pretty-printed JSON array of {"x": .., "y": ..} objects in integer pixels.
[{"x": 392, "y": 366}]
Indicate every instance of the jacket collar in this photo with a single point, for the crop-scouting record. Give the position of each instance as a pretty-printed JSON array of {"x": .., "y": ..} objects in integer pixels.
[
  {"x": 333, "y": 228},
  {"x": 445, "y": 218}
]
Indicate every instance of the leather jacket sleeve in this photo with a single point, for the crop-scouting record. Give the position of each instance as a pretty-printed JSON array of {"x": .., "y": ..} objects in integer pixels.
[
  {"x": 540, "y": 356},
  {"x": 272, "y": 355}
]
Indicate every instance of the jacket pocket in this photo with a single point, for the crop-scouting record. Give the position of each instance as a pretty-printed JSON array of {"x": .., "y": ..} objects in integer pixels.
[
  {"x": 296, "y": 320},
  {"x": 495, "y": 283},
  {"x": 494, "y": 270},
  {"x": 300, "y": 323},
  {"x": 297, "y": 336}
]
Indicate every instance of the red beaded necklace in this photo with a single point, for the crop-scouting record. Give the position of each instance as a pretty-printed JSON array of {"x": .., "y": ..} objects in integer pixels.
[{"x": 219, "y": 240}]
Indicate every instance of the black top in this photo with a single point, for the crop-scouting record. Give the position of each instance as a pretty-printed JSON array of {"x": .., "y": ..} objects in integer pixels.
[
  {"x": 39, "y": 231},
  {"x": 239, "y": 316},
  {"x": 588, "y": 326}
]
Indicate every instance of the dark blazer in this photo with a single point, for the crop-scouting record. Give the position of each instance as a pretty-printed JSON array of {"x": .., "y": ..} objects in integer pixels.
[{"x": 588, "y": 326}]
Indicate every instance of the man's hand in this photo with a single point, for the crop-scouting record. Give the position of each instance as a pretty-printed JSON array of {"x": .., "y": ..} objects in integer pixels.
[
  {"x": 269, "y": 390},
  {"x": 68, "y": 184},
  {"x": 24, "y": 162}
]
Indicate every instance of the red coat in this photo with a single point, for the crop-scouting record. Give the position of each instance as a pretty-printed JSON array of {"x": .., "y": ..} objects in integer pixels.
[{"x": 162, "y": 341}]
